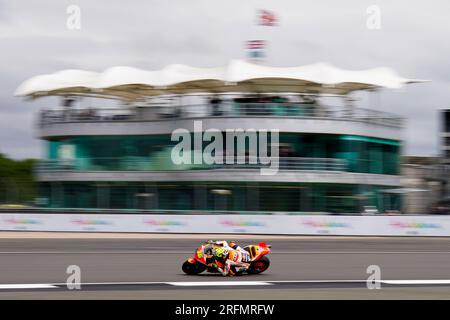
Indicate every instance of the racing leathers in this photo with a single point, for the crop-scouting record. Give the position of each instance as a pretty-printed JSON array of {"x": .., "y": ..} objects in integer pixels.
[{"x": 231, "y": 256}]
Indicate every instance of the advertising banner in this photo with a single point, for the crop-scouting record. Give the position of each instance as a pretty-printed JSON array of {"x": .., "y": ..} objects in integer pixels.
[{"x": 243, "y": 224}]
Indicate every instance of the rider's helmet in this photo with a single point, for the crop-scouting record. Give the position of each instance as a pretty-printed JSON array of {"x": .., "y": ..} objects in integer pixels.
[{"x": 221, "y": 252}]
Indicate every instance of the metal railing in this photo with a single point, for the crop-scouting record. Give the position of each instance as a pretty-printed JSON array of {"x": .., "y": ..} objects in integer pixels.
[
  {"x": 228, "y": 109},
  {"x": 145, "y": 164}
]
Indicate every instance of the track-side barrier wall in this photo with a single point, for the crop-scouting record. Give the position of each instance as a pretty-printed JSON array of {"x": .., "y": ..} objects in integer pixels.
[{"x": 245, "y": 224}]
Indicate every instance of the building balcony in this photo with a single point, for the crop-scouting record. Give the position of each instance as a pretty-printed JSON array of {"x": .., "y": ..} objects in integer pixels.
[
  {"x": 140, "y": 164},
  {"x": 291, "y": 170},
  {"x": 224, "y": 110}
]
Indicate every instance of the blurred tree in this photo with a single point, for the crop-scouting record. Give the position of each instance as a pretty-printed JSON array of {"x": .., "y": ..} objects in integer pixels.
[{"x": 17, "y": 185}]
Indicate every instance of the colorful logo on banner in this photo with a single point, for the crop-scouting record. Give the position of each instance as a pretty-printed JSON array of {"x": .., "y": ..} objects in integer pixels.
[
  {"x": 241, "y": 223},
  {"x": 415, "y": 225},
  {"x": 22, "y": 221},
  {"x": 91, "y": 222},
  {"x": 164, "y": 223},
  {"x": 325, "y": 224}
]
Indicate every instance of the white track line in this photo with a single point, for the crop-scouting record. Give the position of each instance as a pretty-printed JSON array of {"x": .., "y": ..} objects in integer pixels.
[
  {"x": 416, "y": 281},
  {"x": 220, "y": 283},
  {"x": 27, "y": 286},
  {"x": 434, "y": 281},
  {"x": 223, "y": 283}
]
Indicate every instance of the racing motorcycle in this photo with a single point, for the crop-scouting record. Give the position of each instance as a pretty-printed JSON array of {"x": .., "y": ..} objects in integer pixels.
[{"x": 258, "y": 261}]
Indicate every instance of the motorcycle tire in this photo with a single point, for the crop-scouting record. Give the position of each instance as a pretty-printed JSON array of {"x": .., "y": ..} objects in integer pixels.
[
  {"x": 259, "y": 266},
  {"x": 192, "y": 268}
]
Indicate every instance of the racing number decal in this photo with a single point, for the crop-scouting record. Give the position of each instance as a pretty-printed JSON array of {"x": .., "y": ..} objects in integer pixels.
[{"x": 199, "y": 254}]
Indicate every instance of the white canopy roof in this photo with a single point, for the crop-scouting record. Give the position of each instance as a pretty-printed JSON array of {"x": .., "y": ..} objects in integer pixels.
[{"x": 237, "y": 76}]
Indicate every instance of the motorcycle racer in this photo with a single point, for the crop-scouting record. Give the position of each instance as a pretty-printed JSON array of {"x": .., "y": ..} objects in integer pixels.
[
  {"x": 224, "y": 243},
  {"x": 229, "y": 256}
]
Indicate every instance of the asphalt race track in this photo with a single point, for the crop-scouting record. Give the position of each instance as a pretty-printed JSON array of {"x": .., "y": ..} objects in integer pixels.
[{"x": 301, "y": 268}]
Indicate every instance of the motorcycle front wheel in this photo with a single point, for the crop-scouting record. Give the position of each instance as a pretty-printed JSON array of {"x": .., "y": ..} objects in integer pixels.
[
  {"x": 192, "y": 268},
  {"x": 259, "y": 266}
]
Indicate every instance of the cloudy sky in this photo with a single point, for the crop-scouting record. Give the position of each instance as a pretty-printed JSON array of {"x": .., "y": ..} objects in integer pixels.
[{"x": 413, "y": 39}]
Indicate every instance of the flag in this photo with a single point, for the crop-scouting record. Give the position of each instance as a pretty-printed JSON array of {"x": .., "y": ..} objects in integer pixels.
[{"x": 267, "y": 18}]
